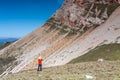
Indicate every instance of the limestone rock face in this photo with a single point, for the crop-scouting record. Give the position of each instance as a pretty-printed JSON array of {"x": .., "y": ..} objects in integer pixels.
[{"x": 77, "y": 13}]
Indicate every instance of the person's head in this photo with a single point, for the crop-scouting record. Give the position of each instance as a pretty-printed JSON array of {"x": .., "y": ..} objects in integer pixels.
[{"x": 39, "y": 57}]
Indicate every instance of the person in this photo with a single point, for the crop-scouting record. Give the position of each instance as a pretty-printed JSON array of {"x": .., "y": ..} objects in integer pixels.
[{"x": 39, "y": 64}]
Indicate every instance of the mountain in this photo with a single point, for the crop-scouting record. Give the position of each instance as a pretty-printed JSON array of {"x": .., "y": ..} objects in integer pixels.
[
  {"x": 4, "y": 40},
  {"x": 76, "y": 28}
]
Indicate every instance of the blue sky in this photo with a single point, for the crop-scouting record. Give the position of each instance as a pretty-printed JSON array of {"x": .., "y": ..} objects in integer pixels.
[{"x": 20, "y": 17}]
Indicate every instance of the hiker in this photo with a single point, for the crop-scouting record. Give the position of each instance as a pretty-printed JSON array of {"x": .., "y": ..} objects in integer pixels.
[{"x": 39, "y": 64}]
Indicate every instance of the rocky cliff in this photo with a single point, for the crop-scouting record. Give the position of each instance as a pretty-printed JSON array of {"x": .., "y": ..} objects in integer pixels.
[{"x": 76, "y": 28}]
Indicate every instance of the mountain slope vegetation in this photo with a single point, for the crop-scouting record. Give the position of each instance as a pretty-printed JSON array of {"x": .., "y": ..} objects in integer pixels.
[
  {"x": 110, "y": 52},
  {"x": 98, "y": 70}
]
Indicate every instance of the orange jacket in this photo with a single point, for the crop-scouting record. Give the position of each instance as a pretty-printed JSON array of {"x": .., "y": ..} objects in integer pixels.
[{"x": 39, "y": 61}]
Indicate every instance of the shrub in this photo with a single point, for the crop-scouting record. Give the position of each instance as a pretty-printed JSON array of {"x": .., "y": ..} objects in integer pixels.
[
  {"x": 63, "y": 30},
  {"x": 72, "y": 33}
]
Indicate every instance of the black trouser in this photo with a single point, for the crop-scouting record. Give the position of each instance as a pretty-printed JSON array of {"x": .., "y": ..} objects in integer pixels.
[{"x": 39, "y": 67}]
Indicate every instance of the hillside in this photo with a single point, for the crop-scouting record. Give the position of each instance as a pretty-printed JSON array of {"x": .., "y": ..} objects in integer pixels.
[
  {"x": 5, "y": 61},
  {"x": 109, "y": 52},
  {"x": 78, "y": 68},
  {"x": 5, "y": 45},
  {"x": 75, "y": 29},
  {"x": 98, "y": 70}
]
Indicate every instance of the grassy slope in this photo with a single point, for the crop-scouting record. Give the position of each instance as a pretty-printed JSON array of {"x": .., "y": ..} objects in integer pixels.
[
  {"x": 4, "y": 59},
  {"x": 100, "y": 71},
  {"x": 109, "y": 70},
  {"x": 107, "y": 52}
]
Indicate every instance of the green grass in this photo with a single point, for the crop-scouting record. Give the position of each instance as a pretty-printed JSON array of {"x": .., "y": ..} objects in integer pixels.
[
  {"x": 4, "y": 61},
  {"x": 108, "y": 70},
  {"x": 100, "y": 71},
  {"x": 107, "y": 52}
]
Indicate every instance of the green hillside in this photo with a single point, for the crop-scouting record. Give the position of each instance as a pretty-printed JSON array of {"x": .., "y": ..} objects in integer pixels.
[
  {"x": 99, "y": 71},
  {"x": 107, "y": 52}
]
